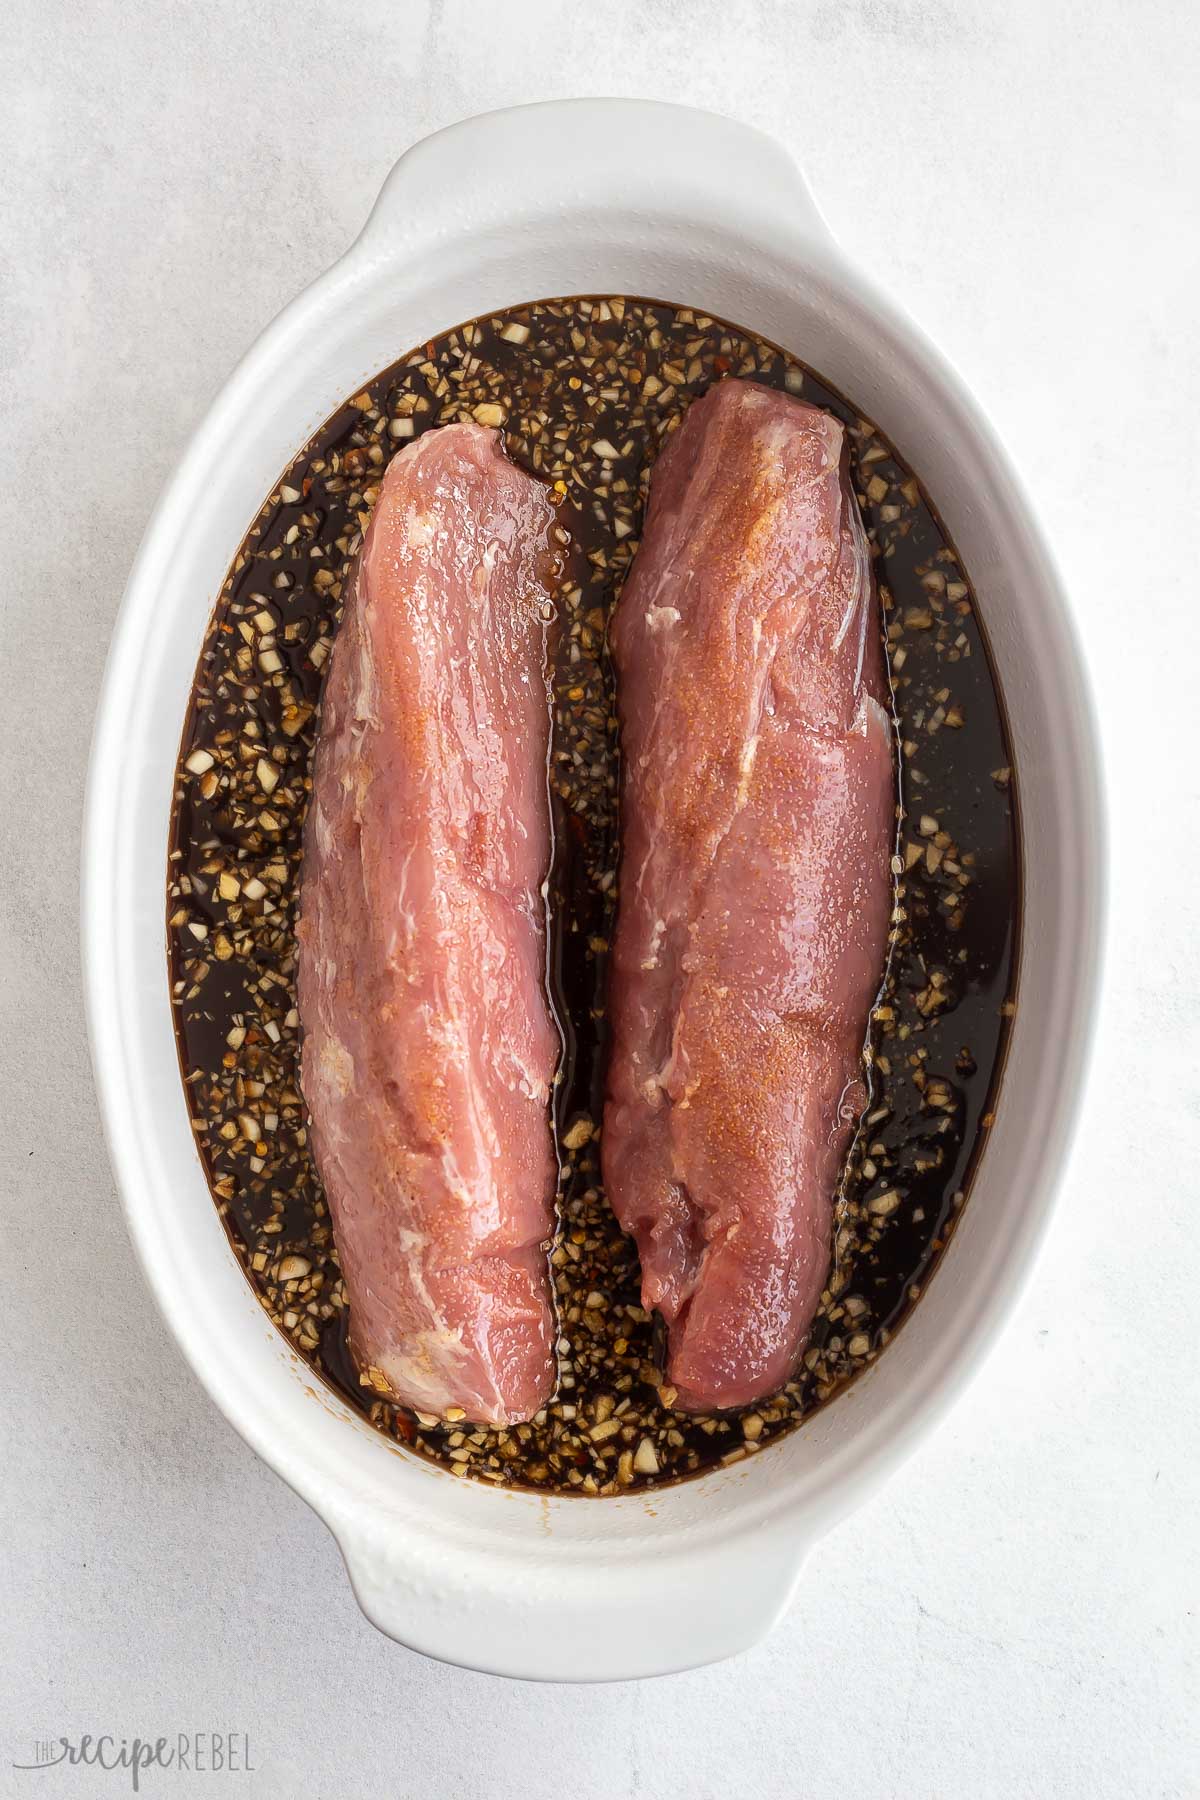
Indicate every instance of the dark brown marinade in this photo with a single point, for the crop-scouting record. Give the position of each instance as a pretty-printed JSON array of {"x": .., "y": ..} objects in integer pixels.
[{"x": 586, "y": 390}]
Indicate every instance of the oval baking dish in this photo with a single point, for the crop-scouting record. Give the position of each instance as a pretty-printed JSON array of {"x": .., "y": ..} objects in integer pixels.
[{"x": 506, "y": 207}]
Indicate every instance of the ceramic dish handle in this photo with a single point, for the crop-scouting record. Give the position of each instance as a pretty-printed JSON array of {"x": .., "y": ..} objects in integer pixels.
[
  {"x": 573, "y": 1615},
  {"x": 589, "y": 156}
]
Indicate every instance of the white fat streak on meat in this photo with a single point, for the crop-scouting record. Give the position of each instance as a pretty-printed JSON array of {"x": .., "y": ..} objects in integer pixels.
[
  {"x": 656, "y": 938},
  {"x": 428, "y": 1370}
]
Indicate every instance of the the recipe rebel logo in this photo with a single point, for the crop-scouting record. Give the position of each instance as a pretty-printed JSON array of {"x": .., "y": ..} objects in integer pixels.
[{"x": 186, "y": 1752}]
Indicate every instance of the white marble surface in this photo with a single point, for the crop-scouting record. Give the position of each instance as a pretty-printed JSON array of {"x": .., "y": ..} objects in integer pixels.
[{"x": 1014, "y": 1616}]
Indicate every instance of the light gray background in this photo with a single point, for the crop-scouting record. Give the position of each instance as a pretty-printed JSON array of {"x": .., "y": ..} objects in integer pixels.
[{"x": 1014, "y": 1615}]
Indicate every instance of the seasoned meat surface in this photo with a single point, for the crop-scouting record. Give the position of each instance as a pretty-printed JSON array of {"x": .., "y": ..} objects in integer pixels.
[
  {"x": 429, "y": 1049},
  {"x": 757, "y": 817}
]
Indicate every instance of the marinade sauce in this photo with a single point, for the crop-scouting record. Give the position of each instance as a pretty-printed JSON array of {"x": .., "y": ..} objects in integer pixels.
[{"x": 586, "y": 390}]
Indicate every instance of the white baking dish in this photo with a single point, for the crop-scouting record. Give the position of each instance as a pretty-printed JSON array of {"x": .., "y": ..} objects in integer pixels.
[{"x": 587, "y": 196}]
